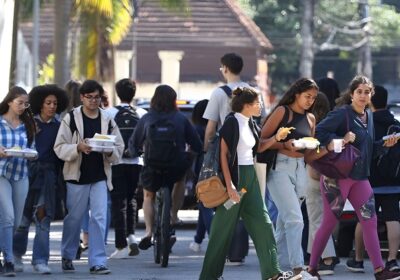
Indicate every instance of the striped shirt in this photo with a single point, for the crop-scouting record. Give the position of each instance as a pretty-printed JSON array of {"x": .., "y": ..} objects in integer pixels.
[{"x": 13, "y": 168}]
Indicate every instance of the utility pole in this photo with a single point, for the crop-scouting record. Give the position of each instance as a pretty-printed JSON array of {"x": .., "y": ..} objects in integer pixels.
[{"x": 134, "y": 39}]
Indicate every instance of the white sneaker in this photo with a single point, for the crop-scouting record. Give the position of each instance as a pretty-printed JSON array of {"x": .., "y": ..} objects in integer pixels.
[
  {"x": 42, "y": 268},
  {"x": 307, "y": 276},
  {"x": 120, "y": 254},
  {"x": 131, "y": 239},
  {"x": 18, "y": 264},
  {"x": 195, "y": 247}
]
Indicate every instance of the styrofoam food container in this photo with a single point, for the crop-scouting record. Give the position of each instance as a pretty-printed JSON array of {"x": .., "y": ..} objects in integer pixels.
[
  {"x": 25, "y": 153},
  {"x": 102, "y": 149},
  {"x": 299, "y": 144},
  {"x": 101, "y": 142}
]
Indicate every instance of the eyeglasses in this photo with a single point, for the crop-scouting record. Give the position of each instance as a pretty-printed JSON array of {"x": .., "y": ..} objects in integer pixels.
[
  {"x": 90, "y": 98},
  {"x": 22, "y": 104}
]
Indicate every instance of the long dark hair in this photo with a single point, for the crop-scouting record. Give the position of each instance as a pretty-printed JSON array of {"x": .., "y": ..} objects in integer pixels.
[
  {"x": 164, "y": 99},
  {"x": 330, "y": 88},
  {"x": 198, "y": 111},
  {"x": 298, "y": 87},
  {"x": 321, "y": 107},
  {"x": 346, "y": 97},
  {"x": 26, "y": 117}
]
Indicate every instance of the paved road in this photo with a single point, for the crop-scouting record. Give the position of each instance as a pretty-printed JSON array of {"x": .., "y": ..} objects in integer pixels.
[{"x": 184, "y": 264}]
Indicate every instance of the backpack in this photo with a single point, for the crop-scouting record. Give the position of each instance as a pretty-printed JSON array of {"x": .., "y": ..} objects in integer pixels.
[
  {"x": 388, "y": 165},
  {"x": 126, "y": 120},
  {"x": 160, "y": 149},
  {"x": 72, "y": 124}
]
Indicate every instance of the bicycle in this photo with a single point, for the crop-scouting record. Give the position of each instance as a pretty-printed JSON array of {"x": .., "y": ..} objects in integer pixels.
[{"x": 162, "y": 228}]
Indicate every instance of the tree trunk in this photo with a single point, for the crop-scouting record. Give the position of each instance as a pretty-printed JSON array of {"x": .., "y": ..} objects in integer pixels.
[
  {"x": 14, "y": 48},
  {"x": 307, "y": 52},
  {"x": 62, "y": 11},
  {"x": 365, "y": 63}
]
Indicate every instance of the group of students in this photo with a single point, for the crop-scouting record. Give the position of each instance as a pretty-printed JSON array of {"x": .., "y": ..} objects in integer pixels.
[
  {"x": 291, "y": 179},
  {"x": 66, "y": 160}
]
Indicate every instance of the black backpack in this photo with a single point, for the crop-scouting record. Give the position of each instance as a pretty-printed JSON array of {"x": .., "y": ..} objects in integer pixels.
[
  {"x": 160, "y": 150},
  {"x": 126, "y": 120},
  {"x": 388, "y": 165}
]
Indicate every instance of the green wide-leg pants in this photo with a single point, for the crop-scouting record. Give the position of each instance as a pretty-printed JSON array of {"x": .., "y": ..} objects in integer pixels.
[{"x": 257, "y": 222}]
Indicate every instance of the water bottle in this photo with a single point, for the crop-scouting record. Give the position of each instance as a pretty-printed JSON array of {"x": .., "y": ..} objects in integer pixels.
[{"x": 229, "y": 203}]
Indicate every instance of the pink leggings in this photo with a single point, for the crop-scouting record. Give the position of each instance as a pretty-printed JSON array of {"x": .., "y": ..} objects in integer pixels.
[{"x": 359, "y": 193}]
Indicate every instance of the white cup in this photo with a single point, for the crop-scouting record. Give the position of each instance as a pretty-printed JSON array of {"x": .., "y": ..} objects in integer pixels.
[{"x": 337, "y": 145}]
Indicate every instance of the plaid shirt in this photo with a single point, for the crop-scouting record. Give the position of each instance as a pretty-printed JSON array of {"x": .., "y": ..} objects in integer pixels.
[{"x": 13, "y": 168}]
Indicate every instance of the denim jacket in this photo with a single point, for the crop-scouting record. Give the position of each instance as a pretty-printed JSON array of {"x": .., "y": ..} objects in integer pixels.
[{"x": 335, "y": 126}]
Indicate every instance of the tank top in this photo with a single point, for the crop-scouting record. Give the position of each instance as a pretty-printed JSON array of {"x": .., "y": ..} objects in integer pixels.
[{"x": 300, "y": 122}]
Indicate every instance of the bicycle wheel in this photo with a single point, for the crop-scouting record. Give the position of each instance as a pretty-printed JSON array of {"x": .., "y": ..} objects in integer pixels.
[
  {"x": 157, "y": 228},
  {"x": 165, "y": 226}
]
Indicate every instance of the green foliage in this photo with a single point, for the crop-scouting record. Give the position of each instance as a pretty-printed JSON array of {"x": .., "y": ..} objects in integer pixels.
[
  {"x": 46, "y": 71},
  {"x": 280, "y": 20}
]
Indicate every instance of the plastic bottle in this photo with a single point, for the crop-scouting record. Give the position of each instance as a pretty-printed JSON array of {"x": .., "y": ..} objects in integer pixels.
[{"x": 229, "y": 203}]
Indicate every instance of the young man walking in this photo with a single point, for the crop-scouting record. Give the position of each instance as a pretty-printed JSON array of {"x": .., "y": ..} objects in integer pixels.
[
  {"x": 88, "y": 175},
  {"x": 125, "y": 173}
]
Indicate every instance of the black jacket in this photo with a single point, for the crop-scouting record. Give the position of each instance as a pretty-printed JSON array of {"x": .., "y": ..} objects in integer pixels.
[
  {"x": 335, "y": 126},
  {"x": 382, "y": 120},
  {"x": 230, "y": 133}
]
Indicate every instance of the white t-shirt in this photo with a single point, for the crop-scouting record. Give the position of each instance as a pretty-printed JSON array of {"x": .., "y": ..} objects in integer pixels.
[
  {"x": 112, "y": 111},
  {"x": 219, "y": 105},
  {"x": 246, "y": 141}
]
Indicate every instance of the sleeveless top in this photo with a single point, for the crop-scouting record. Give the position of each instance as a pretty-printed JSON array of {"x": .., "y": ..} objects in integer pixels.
[{"x": 300, "y": 122}]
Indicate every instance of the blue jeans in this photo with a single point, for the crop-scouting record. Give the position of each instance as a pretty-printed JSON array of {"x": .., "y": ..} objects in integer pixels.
[
  {"x": 41, "y": 244},
  {"x": 85, "y": 221},
  {"x": 286, "y": 184},
  {"x": 12, "y": 201},
  {"x": 203, "y": 223},
  {"x": 78, "y": 199}
]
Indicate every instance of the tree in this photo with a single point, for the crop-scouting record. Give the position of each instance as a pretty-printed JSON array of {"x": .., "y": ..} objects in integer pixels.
[
  {"x": 104, "y": 23},
  {"x": 336, "y": 26}
]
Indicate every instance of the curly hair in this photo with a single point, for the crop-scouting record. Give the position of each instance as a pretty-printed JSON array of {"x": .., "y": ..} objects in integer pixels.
[
  {"x": 26, "y": 117},
  {"x": 39, "y": 93}
]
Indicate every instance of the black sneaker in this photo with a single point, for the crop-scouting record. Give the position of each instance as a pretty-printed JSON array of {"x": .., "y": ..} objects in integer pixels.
[
  {"x": 326, "y": 269},
  {"x": 387, "y": 275},
  {"x": 355, "y": 266},
  {"x": 392, "y": 266},
  {"x": 67, "y": 266},
  {"x": 133, "y": 249},
  {"x": 99, "y": 269},
  {"x": 8, "y": 269}
]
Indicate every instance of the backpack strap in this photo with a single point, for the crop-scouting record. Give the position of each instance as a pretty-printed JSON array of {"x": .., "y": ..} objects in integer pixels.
[
  {"x": 72, "y": 123},
  {"x": 227, "y": 90},
  {"x": 283, "y": 122}
]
